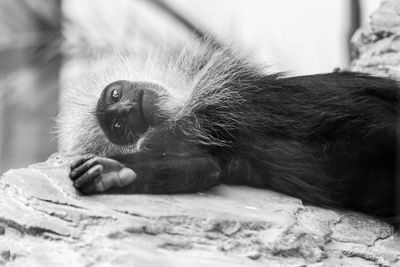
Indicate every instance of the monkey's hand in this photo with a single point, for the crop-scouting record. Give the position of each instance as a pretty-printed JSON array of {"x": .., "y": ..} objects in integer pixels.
[{"x": 92, "y": 174}]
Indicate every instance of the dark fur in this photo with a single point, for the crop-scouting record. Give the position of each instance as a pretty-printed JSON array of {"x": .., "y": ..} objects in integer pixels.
[{"x": 329, "y": 139}]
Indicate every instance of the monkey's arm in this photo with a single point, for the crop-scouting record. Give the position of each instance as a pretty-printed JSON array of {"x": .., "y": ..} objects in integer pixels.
[
  {"x": 146, "y": 172},
  {"x": 171, "y": 174}
]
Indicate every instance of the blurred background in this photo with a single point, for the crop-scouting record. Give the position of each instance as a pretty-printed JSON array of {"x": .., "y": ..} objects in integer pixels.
[{"x": 44, "y": 42}]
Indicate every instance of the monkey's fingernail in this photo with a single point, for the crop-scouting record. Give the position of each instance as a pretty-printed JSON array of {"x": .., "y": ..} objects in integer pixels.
[
  {"x": 74, "y": 165},
  {"x": 76, "y": 184},
  {"x": 96, "y": 169},
  {"x": 79, "y": 183}
]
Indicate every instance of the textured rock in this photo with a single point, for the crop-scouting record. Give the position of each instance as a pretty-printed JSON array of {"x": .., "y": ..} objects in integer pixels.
[
  {"x": 376, "y": 47},
  {"x": 44, "y": 221}
]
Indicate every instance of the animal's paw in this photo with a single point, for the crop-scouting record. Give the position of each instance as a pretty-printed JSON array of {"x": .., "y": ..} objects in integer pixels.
[{"x": 93, "y": 174}]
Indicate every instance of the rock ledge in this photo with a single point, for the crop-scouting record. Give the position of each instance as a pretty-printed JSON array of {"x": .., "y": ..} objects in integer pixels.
[{"x": 44, "y": 221}]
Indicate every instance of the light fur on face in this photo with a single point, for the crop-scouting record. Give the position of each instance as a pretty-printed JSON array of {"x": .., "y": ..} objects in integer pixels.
[{"x": 199, "y": 76}]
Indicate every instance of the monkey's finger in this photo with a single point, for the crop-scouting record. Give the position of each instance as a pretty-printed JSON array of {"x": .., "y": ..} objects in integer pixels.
[
  {"x": 93, "y": 187},
  {"x": 88, "y": 176},
  {"x": 84, "y": 167},
  {"x": 121, "y": 178},
  {"x": 99, "y": 184},
  {"x": 125, "y": 176},
  {"x": 81, "y": 160},
  {"x": 106, "y": 181}
]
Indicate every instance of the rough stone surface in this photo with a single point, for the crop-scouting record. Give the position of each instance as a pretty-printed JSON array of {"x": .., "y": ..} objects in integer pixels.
[
  {"x": 376, "y": 47},
  {"x": 44, "y": 221}
]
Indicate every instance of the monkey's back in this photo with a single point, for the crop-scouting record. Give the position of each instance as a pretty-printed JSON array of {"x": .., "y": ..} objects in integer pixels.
[{"x": 329, "y": 139}]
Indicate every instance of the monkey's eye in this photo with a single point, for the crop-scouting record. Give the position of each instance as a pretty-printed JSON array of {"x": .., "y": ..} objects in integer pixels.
[
  {"x": 115, "y": 95},
  {"x": 118, "y": 128}
]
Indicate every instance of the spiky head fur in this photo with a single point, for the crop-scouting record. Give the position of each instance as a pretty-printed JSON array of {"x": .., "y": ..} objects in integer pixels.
[{"x": 197, "y": 78}]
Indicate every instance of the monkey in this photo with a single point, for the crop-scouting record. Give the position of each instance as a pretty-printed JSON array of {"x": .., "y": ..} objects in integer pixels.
[{"x": 161, "y": 124}]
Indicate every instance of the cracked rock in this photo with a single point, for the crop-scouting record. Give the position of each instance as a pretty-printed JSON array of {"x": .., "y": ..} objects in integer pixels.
[{"x": 44, "y": 221}]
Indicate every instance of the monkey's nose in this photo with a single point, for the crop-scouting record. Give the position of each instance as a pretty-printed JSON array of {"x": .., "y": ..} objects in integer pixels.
[{"x": 125, "y": 108}]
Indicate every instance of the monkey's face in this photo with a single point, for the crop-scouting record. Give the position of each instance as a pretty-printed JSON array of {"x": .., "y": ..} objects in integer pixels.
[{"x": 125, "y": 110}]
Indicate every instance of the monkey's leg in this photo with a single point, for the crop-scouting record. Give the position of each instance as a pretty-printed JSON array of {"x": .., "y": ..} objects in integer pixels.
[{"x": 144, "y": 173}]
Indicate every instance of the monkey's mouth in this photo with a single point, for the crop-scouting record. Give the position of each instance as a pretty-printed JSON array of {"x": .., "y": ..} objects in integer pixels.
[
  {"x": 148, "y": 107},
  {"x": 137, "y": 117}
]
